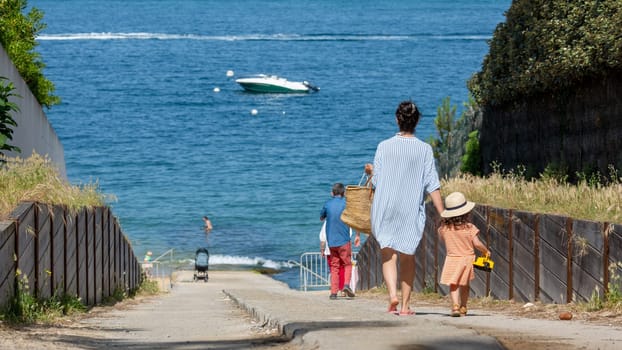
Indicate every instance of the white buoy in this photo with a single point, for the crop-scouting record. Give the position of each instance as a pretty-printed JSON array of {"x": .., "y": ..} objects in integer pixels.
[
  {"x": 216, "y": 89},
  {"x": 254, "y": 111},
  {"x": 229, "y": 73}
]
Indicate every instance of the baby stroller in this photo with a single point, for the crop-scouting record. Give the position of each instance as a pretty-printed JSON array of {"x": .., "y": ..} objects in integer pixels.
[{"x": 201, "y": 263}]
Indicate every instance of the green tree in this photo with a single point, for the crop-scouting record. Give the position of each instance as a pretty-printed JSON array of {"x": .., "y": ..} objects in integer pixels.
[
  {"x": 17, "y": 35},
  {"x": 445, "y": 124},
  {"x": 455, "y": 142},
  {"x": 6, "y": 120}
]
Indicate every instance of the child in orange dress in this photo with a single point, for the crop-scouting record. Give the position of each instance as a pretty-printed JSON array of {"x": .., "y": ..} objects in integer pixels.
[{"x": 460, "y": 237}]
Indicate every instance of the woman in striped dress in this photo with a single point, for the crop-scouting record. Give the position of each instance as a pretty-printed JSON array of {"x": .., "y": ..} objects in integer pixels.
[{"x": 402, "y": 174}]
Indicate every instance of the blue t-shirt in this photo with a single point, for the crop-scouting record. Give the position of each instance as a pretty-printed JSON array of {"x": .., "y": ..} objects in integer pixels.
[{"x": 337, "y": 233}]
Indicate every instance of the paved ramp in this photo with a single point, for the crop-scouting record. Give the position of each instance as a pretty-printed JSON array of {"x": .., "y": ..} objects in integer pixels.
[{"x": 243, "y": 309}]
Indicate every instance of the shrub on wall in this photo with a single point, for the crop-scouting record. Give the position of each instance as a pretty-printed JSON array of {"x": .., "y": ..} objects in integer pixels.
[
  {"x": 6, "y": 119},
  {"x": 549, "y": 45},
  {"x": 17, "y": 35}
]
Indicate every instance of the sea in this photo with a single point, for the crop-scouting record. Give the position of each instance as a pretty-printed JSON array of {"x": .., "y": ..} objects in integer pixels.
[{"x": 151, "y": 112}]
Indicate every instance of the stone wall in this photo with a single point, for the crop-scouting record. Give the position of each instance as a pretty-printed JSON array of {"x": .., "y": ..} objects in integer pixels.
[{"x": 579, "y": 129}]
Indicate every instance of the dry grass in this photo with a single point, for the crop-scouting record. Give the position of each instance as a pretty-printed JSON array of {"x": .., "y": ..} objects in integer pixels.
[
  {"x": 586, "y": 200},
  {"x": 36, "y": 179}
]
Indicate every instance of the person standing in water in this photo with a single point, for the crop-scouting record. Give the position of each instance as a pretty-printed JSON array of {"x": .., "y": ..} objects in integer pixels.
[{"x": 207, "y": 224}]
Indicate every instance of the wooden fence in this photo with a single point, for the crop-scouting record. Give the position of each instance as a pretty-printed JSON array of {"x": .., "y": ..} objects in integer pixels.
[
  {"x": 550, "y": 258},
  {"x": 49, "y": 250}
]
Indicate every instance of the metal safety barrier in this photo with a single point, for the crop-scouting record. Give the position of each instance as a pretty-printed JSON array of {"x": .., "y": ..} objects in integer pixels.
[
  {"x": 161, "y": 269},
  {"x": 314, "y": 270}
]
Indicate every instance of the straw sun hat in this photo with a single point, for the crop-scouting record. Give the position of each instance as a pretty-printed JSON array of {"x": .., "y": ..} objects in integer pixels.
[{"x": 456, "y": 205}]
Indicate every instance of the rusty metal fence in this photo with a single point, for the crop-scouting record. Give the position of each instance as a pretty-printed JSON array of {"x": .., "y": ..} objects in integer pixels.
[
  {"x": 550, "y": 258},
  {"x": 50, "y": 250}
]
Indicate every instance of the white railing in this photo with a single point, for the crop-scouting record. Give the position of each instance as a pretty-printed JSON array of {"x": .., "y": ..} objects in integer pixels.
[
  {"x": 314, "y": 270},
  {"x": 164, "y": 267},
  {"x": 161, "y": 268}
]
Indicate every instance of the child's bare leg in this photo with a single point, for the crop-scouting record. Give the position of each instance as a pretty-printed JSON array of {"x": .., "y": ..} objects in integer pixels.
[
  {"x": 454, "y": 293},
  {"x": 464, "y": 295},
  {"x": 464, "y": 298}
]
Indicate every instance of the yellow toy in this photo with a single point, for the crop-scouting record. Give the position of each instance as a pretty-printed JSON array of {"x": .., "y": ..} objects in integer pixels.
[{"x": 484, "y": 263}]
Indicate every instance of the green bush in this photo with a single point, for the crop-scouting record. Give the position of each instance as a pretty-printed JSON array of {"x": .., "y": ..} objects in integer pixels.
[
  {"x": 6, "y": 119},
  {"x": 472, "y": 158},
  {"x": 18, "y": 34},
  {"x": 24, "y": 308},
  {"x": 549, "y": 45}
]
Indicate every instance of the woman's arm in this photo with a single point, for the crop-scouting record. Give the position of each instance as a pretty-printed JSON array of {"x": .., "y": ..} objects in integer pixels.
[{"x": 437, "y": 200}]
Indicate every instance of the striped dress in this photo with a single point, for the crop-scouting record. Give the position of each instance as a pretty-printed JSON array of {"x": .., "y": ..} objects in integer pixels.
[
  {"x": 404, "y": 172},
  {"x": 458, "y": 266}
]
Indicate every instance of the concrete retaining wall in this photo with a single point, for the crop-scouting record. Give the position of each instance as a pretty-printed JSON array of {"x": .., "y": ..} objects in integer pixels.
[{"x": 33, "y": 133}]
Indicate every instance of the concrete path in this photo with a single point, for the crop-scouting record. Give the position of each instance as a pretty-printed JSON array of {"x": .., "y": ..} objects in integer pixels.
[
  {"x": 194, "y": 315},
  {"x": 199, "y": 315},
  {"x": 314, "y": 321}
]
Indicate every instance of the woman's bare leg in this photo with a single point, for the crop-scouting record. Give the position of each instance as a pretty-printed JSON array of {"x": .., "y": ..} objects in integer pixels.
[
  {"x": 389, "y": 272},
  {"x": 407, "y": 275}
]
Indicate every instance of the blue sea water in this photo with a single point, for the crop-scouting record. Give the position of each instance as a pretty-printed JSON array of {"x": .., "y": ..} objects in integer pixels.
[{"x": 139, "y": 114}]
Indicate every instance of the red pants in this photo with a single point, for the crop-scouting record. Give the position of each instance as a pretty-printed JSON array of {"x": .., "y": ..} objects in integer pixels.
[
  {"x": 342, "y": 271},
  {"x": 340, "y": 259}
]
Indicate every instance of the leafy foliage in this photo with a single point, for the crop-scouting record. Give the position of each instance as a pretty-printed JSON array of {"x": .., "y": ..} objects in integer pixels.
[
  {"x": 6, "y": 120},
  {"x": 549, "y": 45},
  {"x": 453, "y": 135},
  {"x": 444, "y": 122},
  {"x": 17, "y": 35},
  {"x": 24, "y": 308},
  {"x": 472, "y": 158}
]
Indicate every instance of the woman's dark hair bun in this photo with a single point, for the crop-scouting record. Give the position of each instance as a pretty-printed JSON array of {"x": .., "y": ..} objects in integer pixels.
[{"x": 407, "y": 115}]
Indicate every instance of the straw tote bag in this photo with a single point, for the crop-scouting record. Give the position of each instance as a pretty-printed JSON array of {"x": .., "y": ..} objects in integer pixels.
[{"x": 358, "y": 206}]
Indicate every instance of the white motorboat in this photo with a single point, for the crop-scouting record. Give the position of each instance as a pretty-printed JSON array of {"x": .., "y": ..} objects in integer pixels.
[{"x": 274, "y": 84}]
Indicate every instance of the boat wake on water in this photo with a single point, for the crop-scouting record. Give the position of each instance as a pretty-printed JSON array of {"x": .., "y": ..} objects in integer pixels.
[{"x": 264, "y": 37}]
